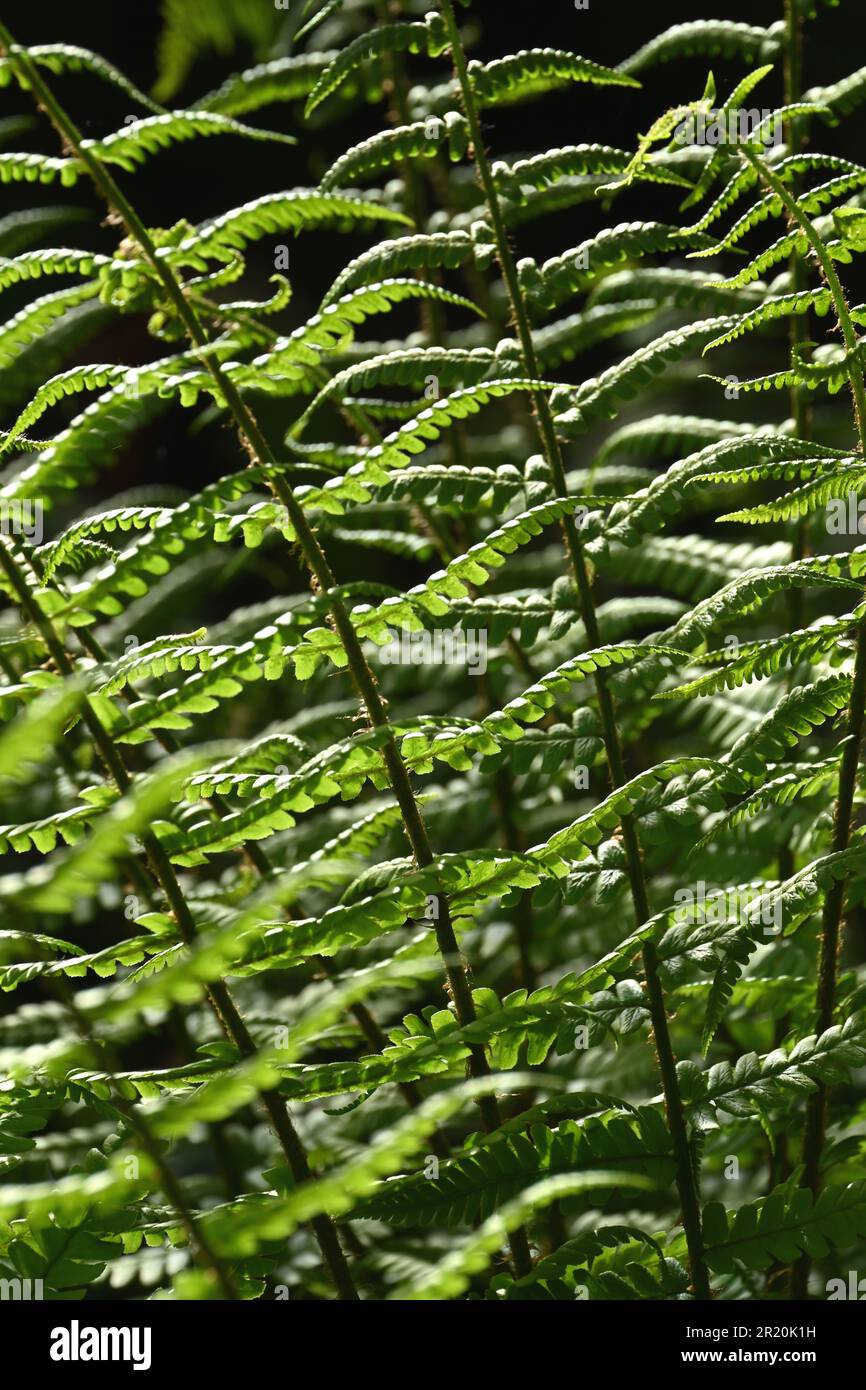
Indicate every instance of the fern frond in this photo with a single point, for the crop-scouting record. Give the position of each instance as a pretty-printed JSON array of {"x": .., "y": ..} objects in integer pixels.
[
  {"x": 135, "y": 141},
  {"x": 428, "y": 37},
  {"x": 534, "y": 71},
  {"x": 276, "y": 212},
  {"x": 281, "y": 79},
  {"x": 32, "y": 321},
  {"x": 421, "y": 140},
  {"x": 706, "y": 37},
  {"x": 468, "y": 1189},
  {"x": 784, "y": 1225},
  {"x": 32, "y": 265},
  {"x": 395, "y": 257},
  {"x": 843, "y": 96},
  {"x": 66, "y": 57},
  {"x": 548, "y": 285},
  {"x": 544, "y": 169},
  {"x": 626, "y": 378},
  {"x": 39, "y": 168},
  {"x": 760, "y": 659},
  {"x": 804, "y": 780}
]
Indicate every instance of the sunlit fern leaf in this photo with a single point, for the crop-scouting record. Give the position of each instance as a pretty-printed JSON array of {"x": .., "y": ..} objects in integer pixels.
[
  {"x": 64, "y": 57},
  {"x": 398, "y": 448},
  {"x": 281, "y": 79},
  {"x": 427, "y": 37},
  {"x": 734, "y": 102},
  {"x": 39, "y": 168},
  {"x": 132, "y": 144},
  {"x": 421, "y": 140},
  {"x": 446, "y": 366},
  {"x": 776, "y": 306},
  {"x": 468, "y": 1189},
  {"x": 395, "y": 257},
  {"x": 31, "y": 265},
  {"x": 626, "y": 378},
  {"x": 534, "y": 71},
  {"x": 838, "y": 486},
  {"x": 843, "y": 96},
  {"x": 90, "y": 378},
  {"x": 805, "y": 780},
  {"x": 699, "y": 37},
  {"x": 558, "y": 279},
  {"x": 771, "y": 205},
  {"x": 543, "y": 170},
  {"x": 803, "y": 709},
  {"x": 753, "y": 588},
  {"x": 754, "y": 661},
  {"x": 31, "y": 322},
  {"x": 275, "y": 212}
]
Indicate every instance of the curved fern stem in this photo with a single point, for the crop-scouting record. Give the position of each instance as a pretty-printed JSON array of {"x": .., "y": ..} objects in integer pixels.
[
  {"x": 260, "y": 452},
  {"x": 136, "y": 1122},
  {"x": 262, "y": 865},
  {"x": 801, "y": 414},
  {"x": 433, "y": 325},
  {"x": 831, "y": 920},
  {"x": 686, "y": 1175},
  {"x": 218, "y": 995},
  {"x": 798, "y": 324}
]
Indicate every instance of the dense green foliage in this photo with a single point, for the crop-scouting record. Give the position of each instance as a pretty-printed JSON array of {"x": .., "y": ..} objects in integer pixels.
[{"x": 464, "y": 916}]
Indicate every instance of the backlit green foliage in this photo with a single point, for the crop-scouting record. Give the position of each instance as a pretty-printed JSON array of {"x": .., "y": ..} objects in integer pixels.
[{"x": 422, "y": 838}]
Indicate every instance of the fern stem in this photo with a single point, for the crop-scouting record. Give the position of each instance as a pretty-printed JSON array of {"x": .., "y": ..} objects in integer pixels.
[
  {"x": 365, "y": 1020},
  {"x": 257, "y": 857},
  {"x": 687, "y": 1185},
  {"x": 434, "y": 329},
  {"x": 364, "y": 680},
  {"x": 828, "y": 269},
  {"x": 793, "y": 75},
  {"x": 801, "y": 415},
  {"x": 261, "y": 864},
  {"x": 136, "y": 1122},
  {"x": 170, "y": 1183},
  {"x": 831, "y": 918},
  {"x": 798, "y": 329},
  {"x": 217, "y": 993}
]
